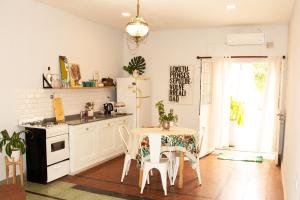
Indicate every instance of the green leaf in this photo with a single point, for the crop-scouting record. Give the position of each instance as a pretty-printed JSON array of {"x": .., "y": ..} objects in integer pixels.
[
  {"x": 137, "y": 63},
  {"x": 8, "y": 149}
]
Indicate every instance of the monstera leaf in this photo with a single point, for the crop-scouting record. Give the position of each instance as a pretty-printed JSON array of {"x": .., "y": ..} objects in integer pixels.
[{"x": 137, "y": 63}]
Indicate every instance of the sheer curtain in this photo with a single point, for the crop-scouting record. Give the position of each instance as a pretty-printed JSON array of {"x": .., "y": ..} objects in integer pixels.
[
  {"x": 234, "y": 77},
  {"x": 266, "y": 142},
  {"x": 221, "y": 101}
]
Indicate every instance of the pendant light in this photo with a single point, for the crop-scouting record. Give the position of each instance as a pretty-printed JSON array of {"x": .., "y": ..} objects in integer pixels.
[{"x": 137, "y": 30}]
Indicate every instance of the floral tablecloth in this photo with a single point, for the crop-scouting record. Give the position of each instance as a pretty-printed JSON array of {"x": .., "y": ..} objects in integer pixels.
[{"x": 183, "y": 143}]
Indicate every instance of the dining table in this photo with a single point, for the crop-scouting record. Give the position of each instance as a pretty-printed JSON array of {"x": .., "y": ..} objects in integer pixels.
[{"x": 180, "y": 139}]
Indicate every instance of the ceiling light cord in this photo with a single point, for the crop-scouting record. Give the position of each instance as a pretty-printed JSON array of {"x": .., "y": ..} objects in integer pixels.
[{"x": 138, "y": 8}]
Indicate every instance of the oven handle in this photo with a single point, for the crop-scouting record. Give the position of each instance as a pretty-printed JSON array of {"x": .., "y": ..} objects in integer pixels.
[{"x": 57, "y": 166}]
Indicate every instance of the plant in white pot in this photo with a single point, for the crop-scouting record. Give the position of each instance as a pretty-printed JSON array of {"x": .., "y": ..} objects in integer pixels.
[
  {"x": 136, "y": 66},
  {"x": 165, "y": 118},
  {"x": 14, "y": 145},
  {"x": 237, "y": 115}
]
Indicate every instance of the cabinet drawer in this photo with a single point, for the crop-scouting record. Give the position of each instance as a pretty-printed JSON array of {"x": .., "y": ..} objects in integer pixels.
[{"x": 58, "y": 170}]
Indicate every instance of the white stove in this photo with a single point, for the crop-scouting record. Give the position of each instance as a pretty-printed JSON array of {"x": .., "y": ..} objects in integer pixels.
[{"x": 47, "y": 149}]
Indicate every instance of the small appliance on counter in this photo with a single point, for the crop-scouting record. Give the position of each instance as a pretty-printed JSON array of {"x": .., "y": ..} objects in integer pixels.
[
  {"x": 108, "y": 108},
  {"x": 47, "y": 149},
  {"x": 120, "y": 108}
]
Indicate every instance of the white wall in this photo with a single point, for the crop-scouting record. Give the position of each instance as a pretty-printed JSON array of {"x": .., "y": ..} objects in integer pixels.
[
  {"x": 291, "y": 158},
  {"x": 175, "y": 47},
  {"x": 32, "y": 36}
]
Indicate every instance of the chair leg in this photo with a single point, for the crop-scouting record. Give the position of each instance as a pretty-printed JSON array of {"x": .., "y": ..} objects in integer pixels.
[
  {"x": 148, "y": 179},
  {"x": 145, "y": 177},
  {"x": 175, "y": 170},
  {"x": 198, "y": 171},
  {"x": 128, "y": 166},
  {"x": 163, "y": 175},
  {"x": 126, "y": 160},
  {"x": 170, "y": 172}
]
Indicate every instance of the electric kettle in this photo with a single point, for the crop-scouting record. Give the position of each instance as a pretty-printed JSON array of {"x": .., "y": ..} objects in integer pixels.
[{"x": 108, "y": 107}]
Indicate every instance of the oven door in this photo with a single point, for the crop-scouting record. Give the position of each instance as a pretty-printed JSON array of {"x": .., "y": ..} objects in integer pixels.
[{"x": 57, "y": 149}]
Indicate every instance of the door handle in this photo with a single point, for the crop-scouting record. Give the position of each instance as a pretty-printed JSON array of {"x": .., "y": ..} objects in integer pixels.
[{"x": 281, "y": 116}]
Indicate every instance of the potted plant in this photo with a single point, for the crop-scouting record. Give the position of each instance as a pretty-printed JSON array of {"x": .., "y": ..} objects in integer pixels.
[
  {"x": 136, "y": 66},
  {"x": 14, "y": 145},
  {"x": 165, "y": 118},
  {"x": 237, "y": 115}
]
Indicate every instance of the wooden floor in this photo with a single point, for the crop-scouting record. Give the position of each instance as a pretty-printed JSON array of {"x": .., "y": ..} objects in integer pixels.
[{"x": 221, "y": 180}]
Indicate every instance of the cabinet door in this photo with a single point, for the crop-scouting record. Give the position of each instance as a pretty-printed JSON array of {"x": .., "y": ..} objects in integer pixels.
[
  {"x": 85, "y": 145},
  {"x": 107, "y": 140}
]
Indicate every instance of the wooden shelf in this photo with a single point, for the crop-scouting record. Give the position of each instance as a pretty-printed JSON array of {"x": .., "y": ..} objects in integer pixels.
[{"x": 80, "y": 88}]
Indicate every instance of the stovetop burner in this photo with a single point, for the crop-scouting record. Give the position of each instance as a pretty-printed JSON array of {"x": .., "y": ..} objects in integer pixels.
[{"x": 40, "y": 123}]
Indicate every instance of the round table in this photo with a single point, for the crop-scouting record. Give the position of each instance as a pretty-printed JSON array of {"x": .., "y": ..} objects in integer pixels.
[{"x": 176, "y": 131}]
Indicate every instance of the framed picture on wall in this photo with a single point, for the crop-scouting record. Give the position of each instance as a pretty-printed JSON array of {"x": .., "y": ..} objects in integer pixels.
[{"x": 181, "y": 84}]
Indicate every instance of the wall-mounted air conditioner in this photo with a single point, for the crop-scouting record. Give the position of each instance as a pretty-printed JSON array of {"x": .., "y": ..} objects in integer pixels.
[{"x": 246, "y": 39}]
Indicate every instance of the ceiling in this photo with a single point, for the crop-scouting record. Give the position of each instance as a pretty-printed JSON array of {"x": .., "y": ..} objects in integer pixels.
[{"x": 176, "y": 14}]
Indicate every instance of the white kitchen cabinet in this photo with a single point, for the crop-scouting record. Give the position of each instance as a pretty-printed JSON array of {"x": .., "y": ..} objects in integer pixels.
[
  {"x": 83, "y": 145},
  {"x": 92, "y": 143},
  {"x": 107, "y": 143}
]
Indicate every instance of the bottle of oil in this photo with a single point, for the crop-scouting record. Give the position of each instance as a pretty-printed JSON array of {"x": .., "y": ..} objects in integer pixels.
[{"x": 49, "y": 76}]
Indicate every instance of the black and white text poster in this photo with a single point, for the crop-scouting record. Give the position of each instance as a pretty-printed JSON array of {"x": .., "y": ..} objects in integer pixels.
[{"x": 180, "y": 89}]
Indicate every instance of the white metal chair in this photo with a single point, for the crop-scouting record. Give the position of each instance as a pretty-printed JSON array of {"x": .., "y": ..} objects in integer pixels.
[
  {"x": 176, "y": 158},
  {"x": 162, "y": 164},
  {"x": 125, "y": 136}
]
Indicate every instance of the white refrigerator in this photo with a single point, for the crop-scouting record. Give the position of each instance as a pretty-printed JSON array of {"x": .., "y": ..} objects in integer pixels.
[{"x": 136, "y": 94}]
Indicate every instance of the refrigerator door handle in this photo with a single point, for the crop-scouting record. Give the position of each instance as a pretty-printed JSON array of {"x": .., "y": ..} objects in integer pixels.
[
  {"x": 138, "y": 103},
  {"x": 139, "y": 92}
]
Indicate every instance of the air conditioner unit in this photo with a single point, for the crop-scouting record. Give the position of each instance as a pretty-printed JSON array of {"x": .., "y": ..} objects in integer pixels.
[{"x": 245, "y": 39}]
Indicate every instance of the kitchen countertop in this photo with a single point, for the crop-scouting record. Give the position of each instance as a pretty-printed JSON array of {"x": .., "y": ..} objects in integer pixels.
[{"x": 74, "y": 120}]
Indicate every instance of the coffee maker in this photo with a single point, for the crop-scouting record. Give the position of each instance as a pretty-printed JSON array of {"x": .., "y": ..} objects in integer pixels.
[{"x": 108, "y": 107}]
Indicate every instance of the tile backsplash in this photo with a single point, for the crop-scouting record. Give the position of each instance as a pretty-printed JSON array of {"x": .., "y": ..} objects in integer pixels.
[{"x": 38, "y": 102}]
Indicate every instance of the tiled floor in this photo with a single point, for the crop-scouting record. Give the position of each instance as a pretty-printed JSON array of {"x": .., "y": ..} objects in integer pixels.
[
  {"x": 61, "y": 190},
  {"x": 221, "y": 180}
]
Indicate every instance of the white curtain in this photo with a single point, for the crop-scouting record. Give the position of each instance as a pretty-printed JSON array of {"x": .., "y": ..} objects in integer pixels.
[
  {"x": 234, "y": 77},
  {"x": 221, "y": 101}
]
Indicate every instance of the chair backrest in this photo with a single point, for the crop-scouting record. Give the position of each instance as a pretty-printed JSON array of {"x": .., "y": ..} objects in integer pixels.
[
  {"x": 125, "y": 135},
  {"x": 154, "y": 145}
]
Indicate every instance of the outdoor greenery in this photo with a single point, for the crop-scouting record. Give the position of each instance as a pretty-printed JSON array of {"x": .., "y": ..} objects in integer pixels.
[
  {"x": 12, "y": 143},
  {"x": 163, "y": 116},
  {"x": 237, "y": 112},
  {"x": 137, "y": 63},
  {"x": 260, "y": 71}
]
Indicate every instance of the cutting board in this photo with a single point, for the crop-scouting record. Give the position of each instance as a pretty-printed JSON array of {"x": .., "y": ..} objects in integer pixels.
[{"x": 58, "y": 109}]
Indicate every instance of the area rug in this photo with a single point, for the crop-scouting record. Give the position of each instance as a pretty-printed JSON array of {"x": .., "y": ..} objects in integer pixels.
[{"x": 240, "y": 157}]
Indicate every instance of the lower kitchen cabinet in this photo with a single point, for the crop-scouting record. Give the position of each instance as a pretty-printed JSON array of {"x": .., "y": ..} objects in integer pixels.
[
  {"x": 83, "y": 145},
  {"x": 94, "y": 142}
]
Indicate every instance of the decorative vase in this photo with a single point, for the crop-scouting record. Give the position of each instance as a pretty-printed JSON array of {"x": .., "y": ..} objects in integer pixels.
[
  {"x": 15, "y": 155},
  {"x": 166, "y": 125},
  {"x": 91, "y": 113},
  {"x": 135, "y": 74}
]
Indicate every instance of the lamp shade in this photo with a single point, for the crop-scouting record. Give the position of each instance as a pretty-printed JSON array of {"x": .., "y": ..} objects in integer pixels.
[{"x": 137, "y": 27}]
